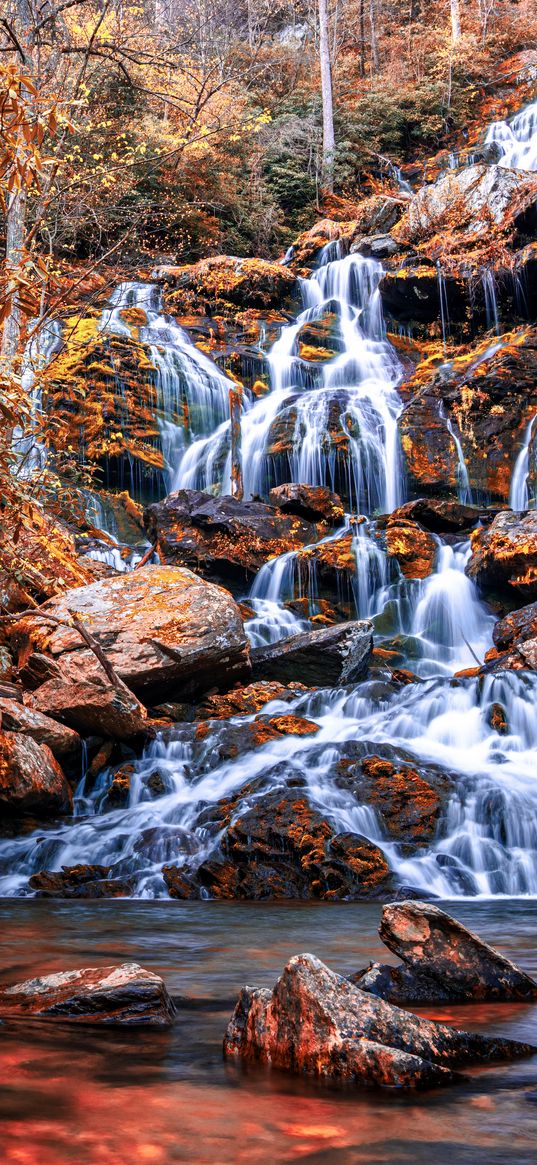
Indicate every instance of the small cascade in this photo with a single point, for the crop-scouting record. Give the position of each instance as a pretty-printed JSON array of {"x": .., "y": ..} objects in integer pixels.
[
  {"x": 192, "y": 395},
  {"x": 488, "y": 283},
  {"x": 519, "y": 498},
  {"x": 464, "y": 489},
  {"x": 516, "y": 139},
  {"x": 444, "y": 307},
  {"x": 30, "y": 453}
]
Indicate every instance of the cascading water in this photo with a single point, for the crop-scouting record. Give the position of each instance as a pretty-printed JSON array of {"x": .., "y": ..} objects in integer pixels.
[
  {"x": 516, "y": 139},
  {"x": 487, "y": 835},
  {"x": 519, "y": 498}
]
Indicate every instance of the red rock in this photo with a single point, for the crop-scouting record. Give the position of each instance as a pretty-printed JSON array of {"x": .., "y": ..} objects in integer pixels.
[
  {"x": 316, "y": 1023},
  {"x": 31, "y": 780},
  {"x": 432, "y": 943},
  {"x": 125, "y": 995},
  {"x": 62, "y": 741},
  {"x": 90, "y": 705},
  {"x": 504, "y": 555},
  {"x": 247, "y": 700},
  {"x": 161, "y": 627}
]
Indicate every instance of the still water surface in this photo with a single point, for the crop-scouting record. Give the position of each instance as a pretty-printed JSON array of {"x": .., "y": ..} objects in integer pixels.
[{"x": 72, "y": 1094}]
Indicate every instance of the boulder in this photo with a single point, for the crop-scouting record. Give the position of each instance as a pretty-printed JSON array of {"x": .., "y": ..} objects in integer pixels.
[
  {"x": 246, "y": 701},
  {"x": 441, "y": 515},
  {"x": 504, "y": 555},
  {"x": 402, "y": 985},
  {"x": 472, "y": 203},
  {"x": 64, "y": 743},
  {"x": 31, "y": 780},
  {"x": 409, "y": 799},
  {"x": 162, "y": 628},
  {"x": 325, "y": 657},
  {"x": 276, "y": 845},
  {"x": 222, "y": 537},
  {"x": 312, "y": 503},
  {"x": 124, "y": 995},
  {"x": 226, "y": 279},
  {"x": 80, "y": 882},
  {"x": 318, "y": 1024},
  {"x": 414, "y": 548},
  {"x": 411, "y": 294},
  {"x": 92, "y": 706},
  {"x": 433, "y": 944}
]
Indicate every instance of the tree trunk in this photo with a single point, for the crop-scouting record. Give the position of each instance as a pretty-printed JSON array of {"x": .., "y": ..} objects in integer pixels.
[
  {"x": 327, "y": 98},
  {"x": 374, "y": 40},
  {"x": 455, "y": 21},
  {"x": 15, "y": 235}
]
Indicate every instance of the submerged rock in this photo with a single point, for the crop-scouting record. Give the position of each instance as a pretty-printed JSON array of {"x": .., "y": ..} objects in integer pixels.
[
  {"x": 504, "y": 555},
  {"x": 325, "y": 657},
  {"x": 80, "y": 882},
  {"x": 31, "y": 780},
  {"x": 434, "y": 945},
  {"x": 127, "y": 995},
  {"x": 162, "y": 628},
  {"x": 316, "y": 1023}
]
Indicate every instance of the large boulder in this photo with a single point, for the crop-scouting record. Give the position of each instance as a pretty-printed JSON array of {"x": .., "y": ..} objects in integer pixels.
[
  {"x": 414, "y": 548},
  {"x": 31, "y": 780},
  {"x": 162, "y": 628},
  {"x": 223, "y": 537},
  {"x": 226, "y": 279},
  {"x": 80, "y": 882},
  {"x": 436, "y": 946},
  {"x": 471, "y": 202},
  {"x": 504, "y": 555},
  {"x": 126, "y": 995},
  {"x": 318, "y": 1024},
  {"x": 441, "y": 515},
  {"x": 312, "y": 503},
  {"x": 324, "y": 657},
  {"x": 64, "y": 743}
]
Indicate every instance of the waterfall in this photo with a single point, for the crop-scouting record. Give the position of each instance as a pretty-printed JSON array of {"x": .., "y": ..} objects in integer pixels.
[
  {"x": 444, "y": 724},
  {"x": 350, "y": 399},
  {"x": 518, "y": 493},
  {"x": 192, "y": 395},
  {"x": 516, "y": 139}
]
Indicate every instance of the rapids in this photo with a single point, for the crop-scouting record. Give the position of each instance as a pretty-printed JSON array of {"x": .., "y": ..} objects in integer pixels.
[{"x": 487, "y": 836}]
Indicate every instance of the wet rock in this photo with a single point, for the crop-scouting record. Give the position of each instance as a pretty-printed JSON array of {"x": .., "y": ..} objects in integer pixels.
[
  {"x": 276, "y": 845},
  {"x": 31, "y": 780},
  {"x": 126, "y": 995},
  {"x": 246, "y": 701},
  {"x": 316, "y": 1023},
  {"x": 325, "y": 657},
  {"x": 411, "y": 295},
  {"x": 433, "y": 944},
  {"x": 64, "y": 743},
  {"x": 401, "y": 985},
  {"x": 222, "y": 537},
  {"x": 488, "y": 395},
  {"x": 118, "y": 792},
  {"x": 162, "y": 628},
  {"x": 408, "y": 799},
  {"x": 504, "y": 555},
  {"x": 377, "y": 247},
  {"x": 471, "y": 202},
  {"x": 413, "y": 547},
  {"x": 80, "y": 882},
  {"x": 305, "y": 249},
  {"x": 441, "y": 515},
  {"x": 226, "y": 279},
  {"x": 515, "y": 649},
  {"x": 313, "y": 503}
]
